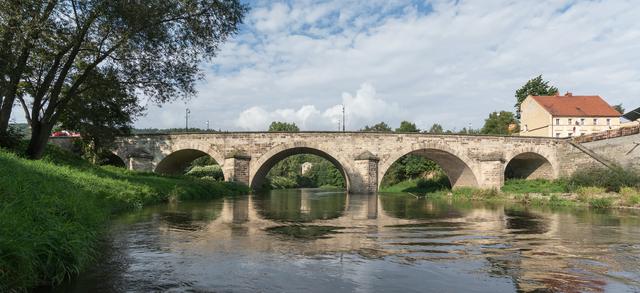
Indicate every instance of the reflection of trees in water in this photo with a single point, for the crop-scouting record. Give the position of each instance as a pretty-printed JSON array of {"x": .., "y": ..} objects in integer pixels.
[
  {"x": 409, "y": 207},
  {"x": 298, "y": 205}
]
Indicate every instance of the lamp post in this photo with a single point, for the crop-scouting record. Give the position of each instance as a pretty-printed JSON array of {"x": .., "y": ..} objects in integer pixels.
[
  {"x": 342, "y": 117},
  {"x": 186, "y": 119}
]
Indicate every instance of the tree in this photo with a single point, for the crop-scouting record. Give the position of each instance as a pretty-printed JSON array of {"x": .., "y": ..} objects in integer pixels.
[
  {"x": 500, "y": 123},
  {"x": 406, "y": 126},
  {"x": 380, "y": 127},
  {"x": 283, "y": 127},
  {"x": 21, "y": 24},
  {"x": 619, "y": 108},
  {"x": 436, "y": 128},
  {"x": 156, "y": 55},
  {"x": 534, "y": 87},
  {"x": 106, "y": 110}
]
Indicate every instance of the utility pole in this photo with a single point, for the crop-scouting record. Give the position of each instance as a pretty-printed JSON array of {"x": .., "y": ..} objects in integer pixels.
[
  {"x": 338, "y": 124},
  {"x": 186, "y": 119},
  {"x": 342, "y": 117},
  {"x": 207, "y": 125}
]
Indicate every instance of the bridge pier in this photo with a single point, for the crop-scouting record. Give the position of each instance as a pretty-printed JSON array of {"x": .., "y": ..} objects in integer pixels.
[
  {"x": 236, "y": 168},
  {"x": 366, "y": 165},
  {"x": 491, "y": 173}
]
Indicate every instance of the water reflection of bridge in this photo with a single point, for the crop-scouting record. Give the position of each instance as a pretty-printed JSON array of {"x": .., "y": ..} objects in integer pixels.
[{"x": 534, "y": 249}]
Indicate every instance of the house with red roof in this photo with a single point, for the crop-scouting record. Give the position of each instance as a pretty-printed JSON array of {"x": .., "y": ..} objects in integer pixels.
[{"x": 566, "y": 116}]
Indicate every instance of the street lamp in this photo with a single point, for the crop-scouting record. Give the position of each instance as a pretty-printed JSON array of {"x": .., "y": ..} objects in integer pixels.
[{"x": 186, "y": 119}]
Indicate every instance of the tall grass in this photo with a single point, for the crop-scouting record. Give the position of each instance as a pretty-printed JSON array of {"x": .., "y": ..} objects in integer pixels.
[
  {"x": 53, "y": 211},
  {"x": 610, "y": 179}
]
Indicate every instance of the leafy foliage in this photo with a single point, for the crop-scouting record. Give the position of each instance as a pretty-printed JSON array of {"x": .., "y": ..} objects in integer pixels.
[
  {"x": 436, "y": 128},
  {"x": 213, "y": 172},
  {"x": 610, "y": 179},
  {"x": 534, "y": 87},
  {"x": 380, "y": 127},
  {"x": 101, "y": 113},
  {"x": 619, "y": 108},
  {"x": 283, "y": 127},
  {"x": 410, "y": 167},
  {"x": 61, "y": 45},
  {"x": 500, "y": 123},
  {"x": 406, "y": 126}
]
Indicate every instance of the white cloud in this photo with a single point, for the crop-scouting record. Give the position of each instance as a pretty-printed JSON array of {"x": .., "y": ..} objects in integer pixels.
[
  {"x": 363, "y": 108},
  {"x": 452, "y": 65}
]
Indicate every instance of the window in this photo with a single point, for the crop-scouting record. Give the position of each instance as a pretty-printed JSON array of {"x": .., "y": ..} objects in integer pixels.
[
  {"x": 609, "y": 121},
  {"x": 557, "y": 134},
  {"x": 581, "y": 121},
  {"x": 570, "y": 134},
  {"x": 569, "y": 121},
  {"x": 557, "y": 121},
  {"x": 595, "y": 121}
]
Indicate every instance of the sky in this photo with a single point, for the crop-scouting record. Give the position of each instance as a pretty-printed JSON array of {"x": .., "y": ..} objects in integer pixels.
[{"x": 446, "y": 62}]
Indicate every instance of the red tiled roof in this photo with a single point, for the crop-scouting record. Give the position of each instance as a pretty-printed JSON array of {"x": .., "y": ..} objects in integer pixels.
[{"x": 576, "y": 106}]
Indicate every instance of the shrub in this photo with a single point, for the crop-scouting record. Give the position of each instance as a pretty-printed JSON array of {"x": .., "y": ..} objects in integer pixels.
[
  {"x": 601, "y": 202},
  {"x": 279, "y": 182},
  {"x": 587, "y": 193},
  {"x": 630, "y": 195},
  {"x": 210, "y": 171},
  {"x": 611, "y": 179}
]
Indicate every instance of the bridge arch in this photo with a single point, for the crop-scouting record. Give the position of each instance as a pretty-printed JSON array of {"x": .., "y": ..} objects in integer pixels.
[
  {"x": 176, "y": 162},
  {"x": 456, "y": 166},
  {"x": 529, "y": 164},
  {"x": 261, "y": 167}
]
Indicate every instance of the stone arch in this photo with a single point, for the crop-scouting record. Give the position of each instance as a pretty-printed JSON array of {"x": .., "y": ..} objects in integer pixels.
[
  {"x": 115, "y": 160},
  {"x": 178, "y": 161},
  {"x": 529, "y": 165},
  {"x": 261, "y": 167},
  {"x": 458, "y": 167}
]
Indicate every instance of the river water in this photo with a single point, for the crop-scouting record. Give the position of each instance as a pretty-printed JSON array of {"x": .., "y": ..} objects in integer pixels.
[{"x": 311, "y": 240}]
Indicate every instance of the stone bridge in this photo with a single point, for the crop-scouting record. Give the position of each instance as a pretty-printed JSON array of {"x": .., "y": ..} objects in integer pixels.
[{"x": 362, "y": 157}]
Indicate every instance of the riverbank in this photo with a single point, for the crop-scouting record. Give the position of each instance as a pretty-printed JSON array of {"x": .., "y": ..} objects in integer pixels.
[
  {"x": 54, "y": 210},
  {"x": 564, "y": 192}
]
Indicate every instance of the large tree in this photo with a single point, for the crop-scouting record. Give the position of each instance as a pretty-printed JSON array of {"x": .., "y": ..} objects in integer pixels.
[
  {"x": 500, "y": 123},
  {"x": 153, "y": 47},
  {"x": 534, "y": 87},
  {"x": 21, "y": 26},
  {"x": 406, "y": 126},
  {"x": 101, "y": 113},
  {"x": 283, "y": 127},
  {"x": 380, "y": 127}
]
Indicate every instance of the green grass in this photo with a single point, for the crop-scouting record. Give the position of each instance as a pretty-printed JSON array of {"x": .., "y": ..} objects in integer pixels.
[
  {"x": 53, "y": 211},
  {"x": 534, "y": 186},
  {"x": 421, "y": 186}
]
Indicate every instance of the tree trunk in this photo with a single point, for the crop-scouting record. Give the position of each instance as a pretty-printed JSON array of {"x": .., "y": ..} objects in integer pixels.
[{"x": 40, "y": 132}]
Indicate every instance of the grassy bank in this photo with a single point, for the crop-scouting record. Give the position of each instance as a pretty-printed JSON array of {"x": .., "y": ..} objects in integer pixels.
[
  {"x": 53, "y": 211},
  {"x": 597, "y": 188}
]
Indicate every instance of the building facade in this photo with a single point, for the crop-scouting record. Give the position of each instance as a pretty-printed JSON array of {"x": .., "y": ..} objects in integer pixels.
[{"x": 566, "y": 116}]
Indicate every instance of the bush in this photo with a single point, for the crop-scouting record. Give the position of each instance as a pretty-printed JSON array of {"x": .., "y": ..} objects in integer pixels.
[
  {"x": 585, "y": 194},
  {"x": 210, "y": 171},
  {"x": 610, "y": 179},
  {"x": 630, "y": 195},
  {"x": 601, "y": 202},
  {"x": 279, "y": 182}
]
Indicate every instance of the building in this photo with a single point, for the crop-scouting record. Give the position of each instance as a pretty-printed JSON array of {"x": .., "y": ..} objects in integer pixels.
[
  {"x": 306, "y": 167},
  {"x": 566, "y": 116}
]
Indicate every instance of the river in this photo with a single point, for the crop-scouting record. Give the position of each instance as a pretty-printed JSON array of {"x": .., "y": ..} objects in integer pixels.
[{"x": 311, "y": 240}]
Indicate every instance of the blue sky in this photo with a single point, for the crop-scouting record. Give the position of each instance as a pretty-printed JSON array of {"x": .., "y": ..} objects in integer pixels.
[{"x": 447, "y": 62}]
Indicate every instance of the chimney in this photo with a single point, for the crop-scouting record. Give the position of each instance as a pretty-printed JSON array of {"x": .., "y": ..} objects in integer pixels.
[{"x": 568, "y": 94}]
